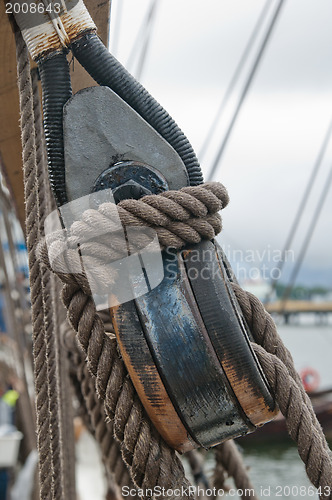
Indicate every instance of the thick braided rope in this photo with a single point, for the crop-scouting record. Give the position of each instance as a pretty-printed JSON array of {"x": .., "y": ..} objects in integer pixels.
[
  {"x": 64, "y": 484},
  {"x": 196, "y": 461},
  {"x": 101, "y": 428},
  {"x": 32, "y": 232},
  {"x": 192, "y": 224},
  {"x": 265, "y": 334},
  {"x": 298, "y": 416},
  {"x": 263, "y": 328},
  {"x": 57, "y": 314},
  {"x": 150, "y": 460},
  {"x": 220, "y": 473},
  {"x": 48, "y": 295},
  {"x": 185, "y": 205},
  {"x": 178, "y": 217},
  {"x": 67, "y": 397},
  {"x": 103, "y": 441},
  {"x": 92, "y": 406},
  {"x": 230, "y": 460}
]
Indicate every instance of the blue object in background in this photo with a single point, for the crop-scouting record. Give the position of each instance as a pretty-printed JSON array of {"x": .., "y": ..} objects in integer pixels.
[
  {"x": 2, "y": 319},
  {"x": 4, "y": 480}
]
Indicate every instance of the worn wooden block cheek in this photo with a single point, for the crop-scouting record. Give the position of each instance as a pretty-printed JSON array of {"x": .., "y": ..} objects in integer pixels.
[{"x": 187, "y": 350}]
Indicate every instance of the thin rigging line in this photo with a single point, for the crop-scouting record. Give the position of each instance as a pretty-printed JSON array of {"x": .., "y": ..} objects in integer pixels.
[
  {"x": 245, "y": 90},
  {"x": 117, "y": 28},
  {"x": 301, "y": 207},
  {"x": 236, "y": 75},
  {"x": 144, "y": 31},
  {"x": 137, "y": 43},
  {"x": 307, "y": 240},
  {"x": 149, "y": 26},
  {"x": 109, "y": 25}
]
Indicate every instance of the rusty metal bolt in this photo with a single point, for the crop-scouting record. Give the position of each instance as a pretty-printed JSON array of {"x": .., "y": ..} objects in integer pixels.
[{"x": 130, "y": 189}]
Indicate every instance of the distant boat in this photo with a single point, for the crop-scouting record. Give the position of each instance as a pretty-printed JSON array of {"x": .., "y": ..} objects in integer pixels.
[{"x": 277, "y": 430}]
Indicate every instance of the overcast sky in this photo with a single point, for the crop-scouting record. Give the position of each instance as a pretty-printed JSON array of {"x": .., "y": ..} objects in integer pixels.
[{"x": 195, "y": 47}]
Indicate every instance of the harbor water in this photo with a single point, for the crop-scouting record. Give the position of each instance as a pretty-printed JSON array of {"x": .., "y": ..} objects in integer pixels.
[
  {"x": 276, "y": 469},
  {"x": 311, "y": 345}
]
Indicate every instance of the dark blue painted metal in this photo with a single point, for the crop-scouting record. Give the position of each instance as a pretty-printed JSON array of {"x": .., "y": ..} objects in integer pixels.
[
  {"x": 131, "y": 179},
  {"x": 186, "y": 360}
]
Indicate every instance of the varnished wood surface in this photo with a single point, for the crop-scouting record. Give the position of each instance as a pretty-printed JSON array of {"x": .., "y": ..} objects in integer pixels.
[
  {"x": 185, "y": 358},
  {"x": 186, "y": 350},
  {"x": 217, "y": 305},
  {"x": 10, "y": 141},
  {"x": 146, "y": 379}
]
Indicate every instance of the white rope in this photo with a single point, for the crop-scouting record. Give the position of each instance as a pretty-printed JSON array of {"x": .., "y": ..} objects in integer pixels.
[
  {"x": 56, "y": 21},
  {"x": 64, "y": 25}
]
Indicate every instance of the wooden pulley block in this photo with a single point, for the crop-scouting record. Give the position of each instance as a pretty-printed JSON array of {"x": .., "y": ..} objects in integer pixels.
[
  {"x": 184, "y": 342},
  {"x": 189, "y": 353}
]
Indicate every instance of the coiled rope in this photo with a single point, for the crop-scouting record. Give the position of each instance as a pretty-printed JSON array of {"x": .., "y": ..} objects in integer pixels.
[
  {"x": 93, "y": 411},
  {"x": 229, "y": 463},
  {"x": 32, "y": 232}
]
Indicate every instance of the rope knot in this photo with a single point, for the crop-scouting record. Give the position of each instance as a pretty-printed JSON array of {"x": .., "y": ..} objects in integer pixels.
[{"x": 91, "y": 251}]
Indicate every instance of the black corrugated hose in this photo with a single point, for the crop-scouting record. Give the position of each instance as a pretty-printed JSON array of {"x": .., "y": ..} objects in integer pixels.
[
  {"x": 56, "y": 85},
  {"x": 107, "y": 71}
]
